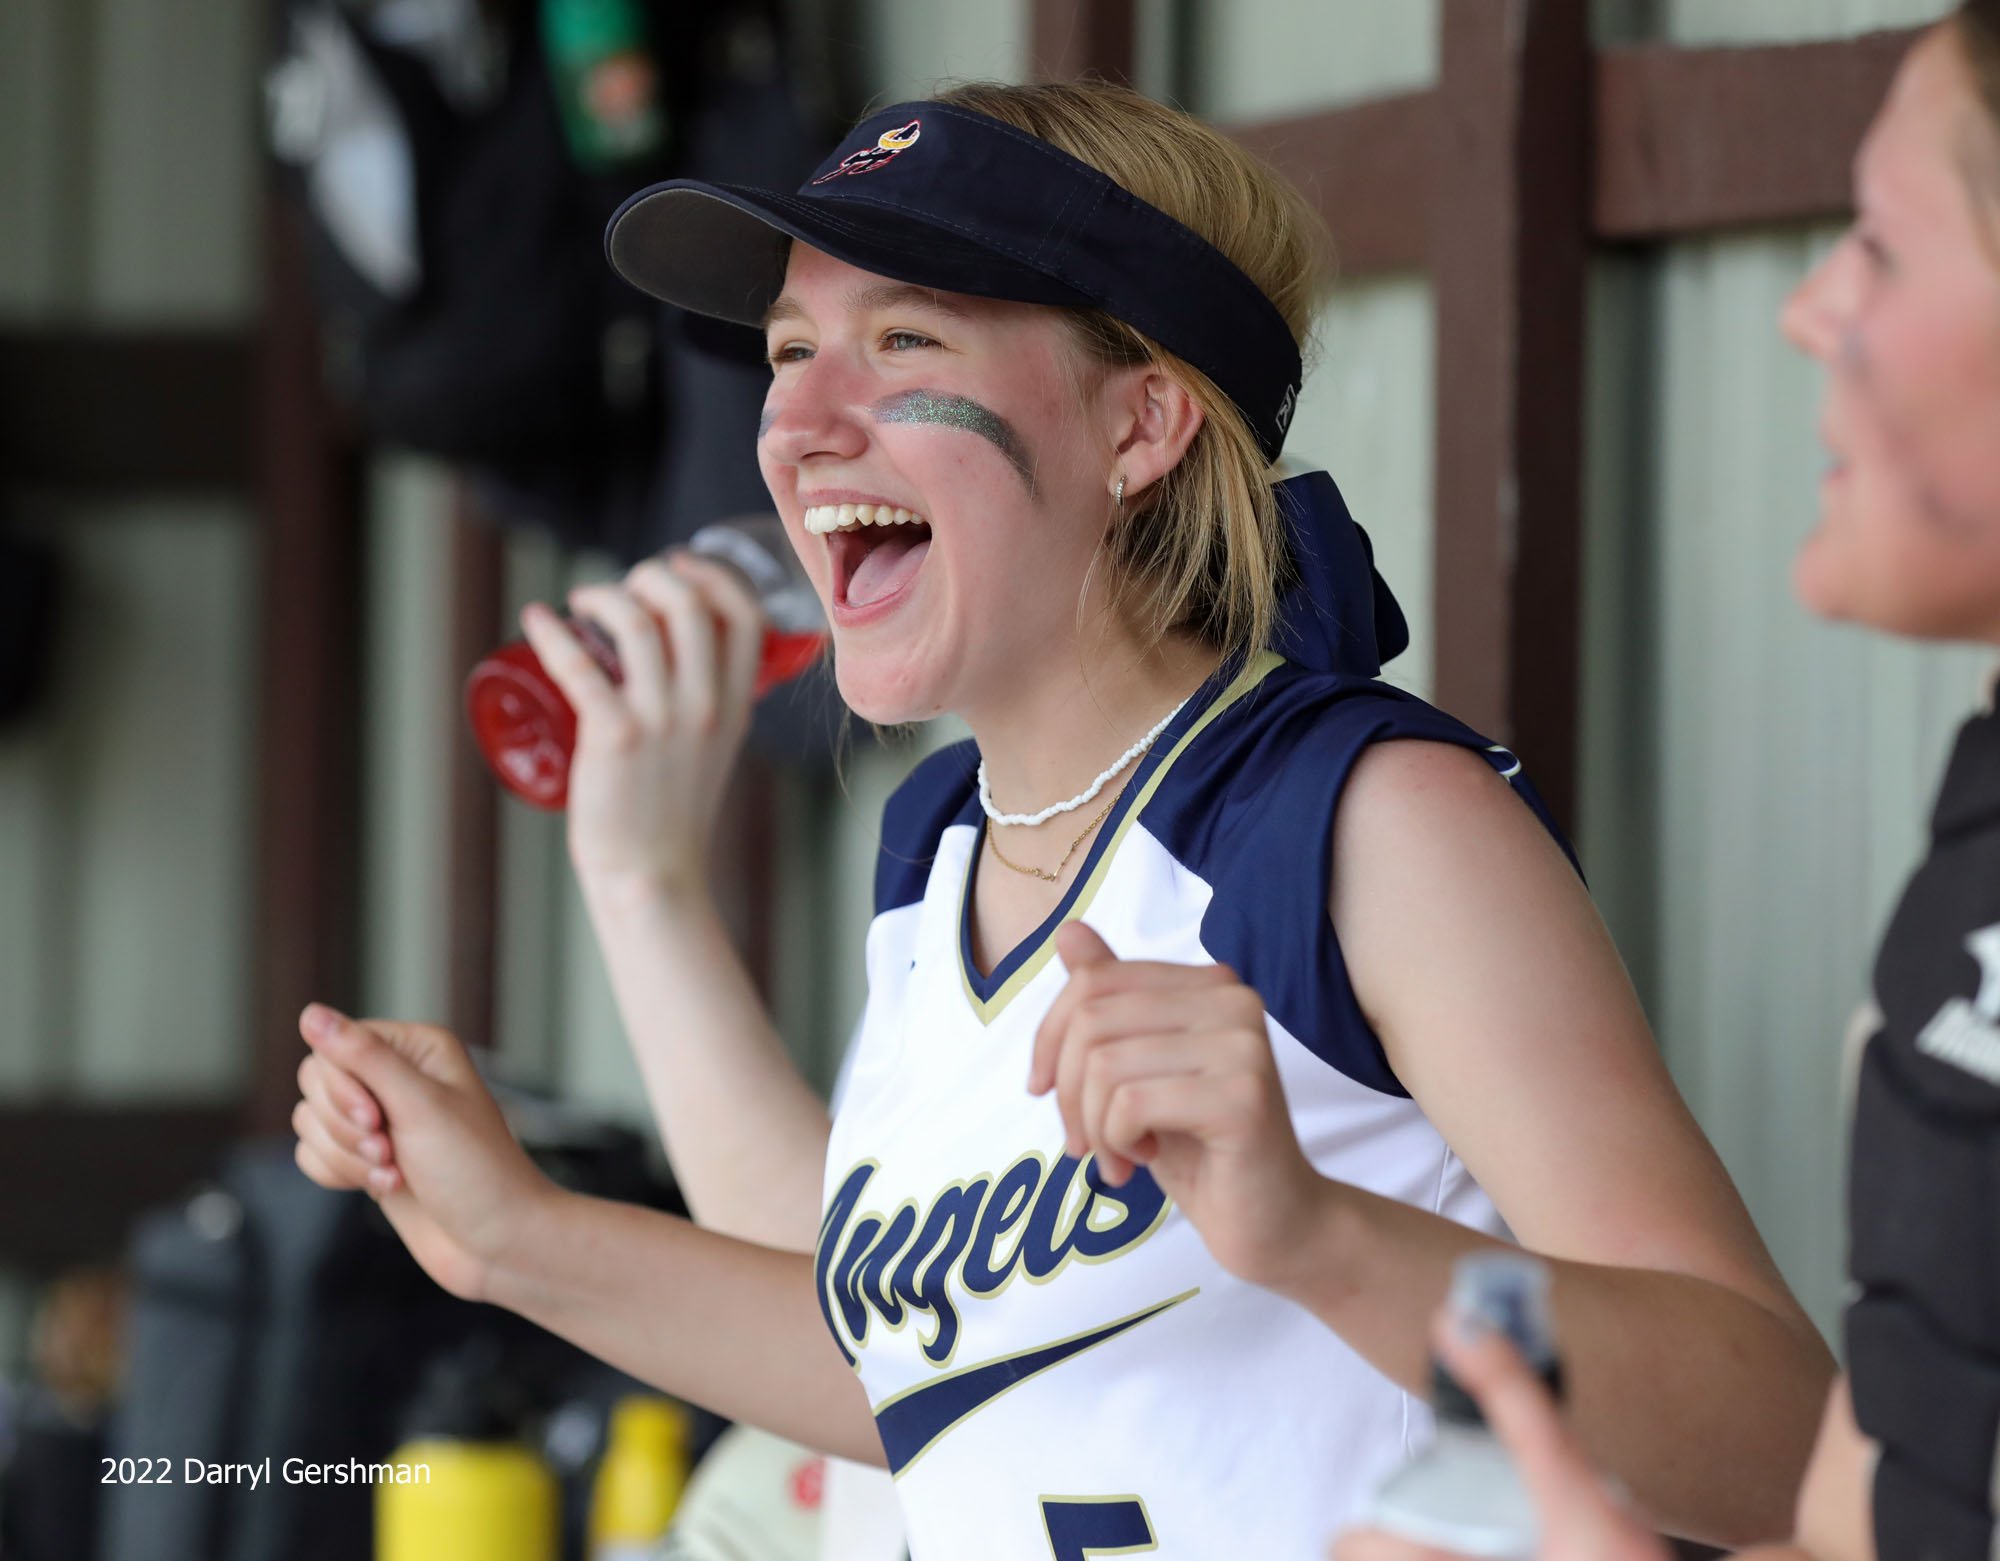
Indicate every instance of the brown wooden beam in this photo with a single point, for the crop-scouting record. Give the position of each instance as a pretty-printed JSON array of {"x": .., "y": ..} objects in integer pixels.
[
  {"x": 309, "y": 727},
  {"x": 1508, "y": 258},
  {"x": 1686, "y": 141},
  {"x": 111, "y": 1164},
  {"x": 153, "y": 411},
  {"x": 478, "y": 592},
  {"x": 1691, "y": 140},
  {"x": 1367, "y": 170},
  {"x": 1071, "y": 38}
]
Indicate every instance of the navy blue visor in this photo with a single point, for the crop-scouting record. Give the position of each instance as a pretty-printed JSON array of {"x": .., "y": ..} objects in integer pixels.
[{"x": 945, "y": 198}]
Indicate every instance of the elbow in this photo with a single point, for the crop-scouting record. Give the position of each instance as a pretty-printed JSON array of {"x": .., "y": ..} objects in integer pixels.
[{"x": 1793, "y": 1378}]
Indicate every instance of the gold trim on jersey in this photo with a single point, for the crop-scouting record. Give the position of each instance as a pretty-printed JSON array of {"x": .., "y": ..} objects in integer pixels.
[{"x": 987, "y": 1010}]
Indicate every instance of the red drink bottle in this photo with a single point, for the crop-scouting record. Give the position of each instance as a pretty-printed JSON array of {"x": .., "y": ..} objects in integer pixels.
[{"x": 526, "y": 728}]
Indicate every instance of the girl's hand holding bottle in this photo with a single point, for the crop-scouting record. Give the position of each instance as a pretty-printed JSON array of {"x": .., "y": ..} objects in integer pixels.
[
  {"x": 631, "y": 712},
  {"x": 655, "y": 747}
]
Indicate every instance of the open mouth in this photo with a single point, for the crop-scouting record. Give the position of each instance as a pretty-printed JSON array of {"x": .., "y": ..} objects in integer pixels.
[{"x": 875, "y": 549}]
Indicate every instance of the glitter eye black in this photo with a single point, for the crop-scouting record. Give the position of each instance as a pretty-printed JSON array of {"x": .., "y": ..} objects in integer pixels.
[{"x": 962, "y": 412}]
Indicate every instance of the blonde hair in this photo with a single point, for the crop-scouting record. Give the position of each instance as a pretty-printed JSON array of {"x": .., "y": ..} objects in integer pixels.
[{"x": 1202, "y": 550}]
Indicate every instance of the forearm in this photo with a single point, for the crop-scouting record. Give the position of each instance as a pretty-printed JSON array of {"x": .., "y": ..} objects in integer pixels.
[
  {"x": 711, "y": 1319},
  {"x": 1701, "y": 1400},
  {"x": 746, "y": 1133}
]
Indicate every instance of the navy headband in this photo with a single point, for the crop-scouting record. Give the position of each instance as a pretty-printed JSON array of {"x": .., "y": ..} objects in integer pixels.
[{"x": 942, "y": 197}]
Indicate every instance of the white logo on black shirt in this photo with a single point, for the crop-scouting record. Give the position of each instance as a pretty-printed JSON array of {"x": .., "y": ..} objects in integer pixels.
[
  {"x": 1984, "y": 946},
  {"x": 1967, "y": 1034}
]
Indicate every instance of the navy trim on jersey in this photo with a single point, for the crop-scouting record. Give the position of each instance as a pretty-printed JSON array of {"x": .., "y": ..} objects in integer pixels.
[
  {"x": 1163, "y": 752},
  {"x": 943, "y": 790},
  {"x": 911, "y": 1423},
  {"x": 1248, "y": 808},
  {"x": 933, "y": 797}
]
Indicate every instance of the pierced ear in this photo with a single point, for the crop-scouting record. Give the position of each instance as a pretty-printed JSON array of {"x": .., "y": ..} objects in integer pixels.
[{"x": 1165, "y": 420}]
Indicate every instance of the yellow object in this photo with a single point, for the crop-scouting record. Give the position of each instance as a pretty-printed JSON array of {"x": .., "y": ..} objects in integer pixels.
[
  {"x": 639, "y": 1482},
  {"x": 486, "y": 1501}
]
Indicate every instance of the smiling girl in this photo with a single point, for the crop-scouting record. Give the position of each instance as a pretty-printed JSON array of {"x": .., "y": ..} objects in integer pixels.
[{"x": 1219, "y": 994}]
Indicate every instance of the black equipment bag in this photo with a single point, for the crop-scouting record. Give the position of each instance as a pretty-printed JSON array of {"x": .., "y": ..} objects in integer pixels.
[
  {"x": 457, "y": 261},
  {"x": 270, "y": 1319},
  {"x": 455, "y": 247},
  {"x": 273, "y": 1319}
]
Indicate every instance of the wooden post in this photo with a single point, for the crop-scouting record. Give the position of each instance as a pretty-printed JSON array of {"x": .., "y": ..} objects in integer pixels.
[
  {"x": 1072, "y": 38},
  {"x": 1509, "y": 244},
  {"x": 309, "y": 728},
  {"x": 478, "y": 588}
]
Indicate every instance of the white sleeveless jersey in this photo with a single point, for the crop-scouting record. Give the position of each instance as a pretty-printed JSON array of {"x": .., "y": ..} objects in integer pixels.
[{"x": 1057, "y": 1366}]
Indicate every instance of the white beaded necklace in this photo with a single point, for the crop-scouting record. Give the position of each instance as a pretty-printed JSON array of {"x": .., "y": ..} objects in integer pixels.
[{"x": 1029, "y": 820}]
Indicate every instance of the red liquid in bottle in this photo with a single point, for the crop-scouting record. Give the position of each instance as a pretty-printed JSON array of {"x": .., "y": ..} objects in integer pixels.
[{"x": 527, "y": 730}]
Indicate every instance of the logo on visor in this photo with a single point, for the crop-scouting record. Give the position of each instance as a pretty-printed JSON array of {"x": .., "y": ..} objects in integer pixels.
[
  {"x": 887, "y": 148},
  {"x": 1287, "y": 407}
]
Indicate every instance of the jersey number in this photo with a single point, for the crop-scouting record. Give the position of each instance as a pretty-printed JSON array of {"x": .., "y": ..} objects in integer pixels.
[{"x": 1083, "y": 1526}]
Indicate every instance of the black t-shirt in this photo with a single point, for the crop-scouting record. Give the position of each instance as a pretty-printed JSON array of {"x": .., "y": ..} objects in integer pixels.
[{"x": 1923, "y": 1332}]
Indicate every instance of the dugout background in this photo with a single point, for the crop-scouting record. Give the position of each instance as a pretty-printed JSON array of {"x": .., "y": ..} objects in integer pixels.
[{"x": 179, "y": 862}]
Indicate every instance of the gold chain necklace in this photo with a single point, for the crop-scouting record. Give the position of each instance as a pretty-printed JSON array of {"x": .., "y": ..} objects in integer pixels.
[{"x": 993, "y": 841}]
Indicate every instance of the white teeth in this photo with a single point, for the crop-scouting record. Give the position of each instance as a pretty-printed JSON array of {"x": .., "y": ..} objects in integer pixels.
[{"x": 823, "y": 518}]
